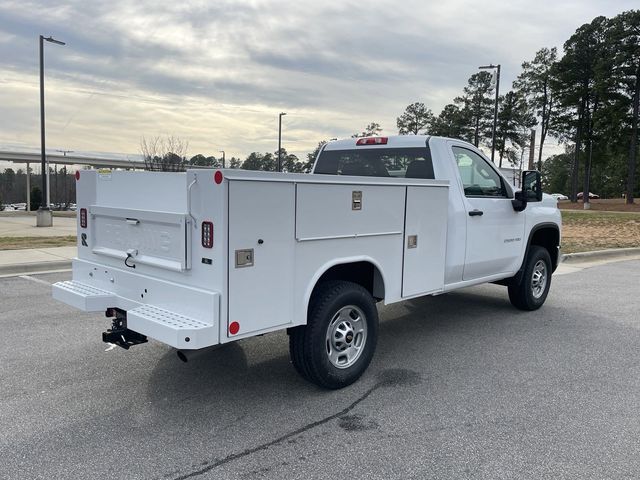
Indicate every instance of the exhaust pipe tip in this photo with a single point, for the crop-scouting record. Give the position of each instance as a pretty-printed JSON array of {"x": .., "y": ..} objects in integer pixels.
[{"x": 188, "y": 355}]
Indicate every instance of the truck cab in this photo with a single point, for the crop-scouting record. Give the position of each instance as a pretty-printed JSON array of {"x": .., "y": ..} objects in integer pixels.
[{"x": 487, "y": 235}]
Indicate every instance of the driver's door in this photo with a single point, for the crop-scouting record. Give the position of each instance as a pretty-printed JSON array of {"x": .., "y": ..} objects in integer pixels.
[{"x": 494, "y": 229}]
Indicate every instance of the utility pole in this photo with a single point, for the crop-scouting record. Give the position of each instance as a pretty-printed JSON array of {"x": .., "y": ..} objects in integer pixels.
[
  {"x": 223, "y": 162},
  {"x": 28, "y": 187},
  {"x": 496, "y": 69},
  {"x": 44, "y": 218},
  {"x": 280, "y": 141}
]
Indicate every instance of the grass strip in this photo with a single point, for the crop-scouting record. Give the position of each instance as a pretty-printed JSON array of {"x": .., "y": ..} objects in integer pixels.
[{"x": 20, "y": 243}]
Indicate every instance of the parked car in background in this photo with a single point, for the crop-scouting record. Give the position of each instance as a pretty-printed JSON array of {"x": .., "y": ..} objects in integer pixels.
[
  {"x": 591, "y": 195},
  {"x": 559, "y": 196},
  {"x": 19, "y": 206}
]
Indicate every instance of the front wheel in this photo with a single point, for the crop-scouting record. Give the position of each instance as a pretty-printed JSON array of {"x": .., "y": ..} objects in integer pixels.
[
  {"x": 533, "y": 288},
  {"x": 338, "y": 342}
]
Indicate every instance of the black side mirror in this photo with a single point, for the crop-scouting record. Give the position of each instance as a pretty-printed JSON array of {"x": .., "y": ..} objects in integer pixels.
[
  {"x": 532, "y": 185},
  {"x": 519, "y": 202}
]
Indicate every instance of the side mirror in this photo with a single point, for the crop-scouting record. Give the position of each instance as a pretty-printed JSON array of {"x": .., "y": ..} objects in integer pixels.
[
  {"x": 532, "y": 185},
  {"x": 519, "y": 202}
]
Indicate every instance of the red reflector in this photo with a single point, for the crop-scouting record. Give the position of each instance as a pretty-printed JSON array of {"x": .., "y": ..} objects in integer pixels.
[
  {"x": 207, "y": 234},
  {"x": 234, "y": 328},
  {"x": 83, "y": 217},
  {"x": 373, "y": 141},
  {"x": 77, "y": 174},
  {"x": 217, "y": 177}
]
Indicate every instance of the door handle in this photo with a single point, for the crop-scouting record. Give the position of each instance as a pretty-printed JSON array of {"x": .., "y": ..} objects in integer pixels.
[{"x": 476, "y": 213}]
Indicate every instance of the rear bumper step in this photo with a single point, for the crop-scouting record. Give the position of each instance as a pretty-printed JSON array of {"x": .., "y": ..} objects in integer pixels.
[
  {"x": 171, "y": 328},
  {"x": 174, "y": 329},
  {"x": 83, "y": 296}
]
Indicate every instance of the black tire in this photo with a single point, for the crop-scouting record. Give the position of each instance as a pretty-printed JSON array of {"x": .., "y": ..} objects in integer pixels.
[
  {"x": 529, "y": 294},
  {"x": 335, "y": 308}
]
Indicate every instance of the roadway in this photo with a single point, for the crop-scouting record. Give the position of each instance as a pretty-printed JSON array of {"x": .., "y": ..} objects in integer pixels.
[{"x": 462, "y": 386}]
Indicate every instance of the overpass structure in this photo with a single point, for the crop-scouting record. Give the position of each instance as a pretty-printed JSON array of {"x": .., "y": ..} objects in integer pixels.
[{"x": 28, "y": 158}]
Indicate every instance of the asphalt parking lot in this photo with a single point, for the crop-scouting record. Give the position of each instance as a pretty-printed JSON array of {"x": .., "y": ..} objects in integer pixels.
[{"x": 462, "y": 386}]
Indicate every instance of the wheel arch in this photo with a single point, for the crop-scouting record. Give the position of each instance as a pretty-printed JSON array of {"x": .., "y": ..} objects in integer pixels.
[
  {"x": 546, "y": 235},
  {"x": 364, "y": 271}
]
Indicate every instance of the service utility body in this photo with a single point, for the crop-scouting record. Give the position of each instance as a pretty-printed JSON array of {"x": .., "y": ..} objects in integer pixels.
[{"x": 208, "y": 257}]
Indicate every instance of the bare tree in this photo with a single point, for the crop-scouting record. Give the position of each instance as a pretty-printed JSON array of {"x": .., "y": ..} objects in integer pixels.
[{"x": 164, "y": 154}]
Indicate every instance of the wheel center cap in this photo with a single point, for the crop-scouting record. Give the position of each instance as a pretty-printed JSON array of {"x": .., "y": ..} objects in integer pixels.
[{"x": 349, "y": 337}]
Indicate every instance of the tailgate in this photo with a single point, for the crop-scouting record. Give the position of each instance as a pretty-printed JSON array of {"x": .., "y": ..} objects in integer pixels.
[{"x": 154, "y": 238}]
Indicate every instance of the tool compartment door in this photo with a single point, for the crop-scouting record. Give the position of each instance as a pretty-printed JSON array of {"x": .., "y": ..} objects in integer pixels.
[
  {"x": 425, "y": 240},
  {"x": 261, "y": 256},
  {"x": 158, "y": 239}
]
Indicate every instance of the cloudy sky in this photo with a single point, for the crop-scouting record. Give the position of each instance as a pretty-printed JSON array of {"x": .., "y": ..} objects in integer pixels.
[{"x": 216, "y": 73}]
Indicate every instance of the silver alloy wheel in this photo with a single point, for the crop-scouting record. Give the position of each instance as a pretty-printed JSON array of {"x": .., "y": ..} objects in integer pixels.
[
  {"x": 539, "y": 279},
  {"x": 346, "y": 336}
]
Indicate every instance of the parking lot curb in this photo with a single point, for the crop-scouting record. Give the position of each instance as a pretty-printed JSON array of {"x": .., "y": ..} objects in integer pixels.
[
  {"x": 600, "y": 254},
  {"x": 36, "y": 267}
]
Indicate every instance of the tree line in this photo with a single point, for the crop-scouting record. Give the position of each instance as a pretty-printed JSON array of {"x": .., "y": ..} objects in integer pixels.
[
  {"x": 13, "y": 187},
  {"x": 588, "y": 99}
]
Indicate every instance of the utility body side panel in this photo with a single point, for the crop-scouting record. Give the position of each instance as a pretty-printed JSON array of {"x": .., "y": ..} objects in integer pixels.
[
  {"x": 328, "y": 211},
  {"x": 261, "y": 255},
  {"x": 308, "y": 227},
  {"x": 425, "y": 241}
]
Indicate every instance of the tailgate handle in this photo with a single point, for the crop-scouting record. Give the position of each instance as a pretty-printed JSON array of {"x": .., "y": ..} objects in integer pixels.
[
  {"x": 131, "y": 254},
  {"x": 133, "y": 221}
]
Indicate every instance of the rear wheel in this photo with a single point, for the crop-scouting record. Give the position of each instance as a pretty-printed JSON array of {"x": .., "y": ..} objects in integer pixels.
[
  {"x": 338, "y": 342},
  {"x": 533, "y": 288}
]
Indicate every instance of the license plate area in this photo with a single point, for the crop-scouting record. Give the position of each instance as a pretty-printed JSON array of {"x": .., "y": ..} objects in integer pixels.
[{"x": 159, "y": 239}]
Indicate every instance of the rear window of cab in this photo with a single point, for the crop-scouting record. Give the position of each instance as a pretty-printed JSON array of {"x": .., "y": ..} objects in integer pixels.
[{"x": 377, "y": 162}]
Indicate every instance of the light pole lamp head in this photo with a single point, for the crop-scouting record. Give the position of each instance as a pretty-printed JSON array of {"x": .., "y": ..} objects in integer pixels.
[
  {"x": 283, "y": 113},
  {"x": 53, "y": 40}
]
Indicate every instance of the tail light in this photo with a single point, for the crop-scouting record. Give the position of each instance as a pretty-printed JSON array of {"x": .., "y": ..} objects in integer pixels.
[
  {"x": 207, "y": 234},
  {"x": 373, "y": 141},
  {"x": 83, "y": 217}
]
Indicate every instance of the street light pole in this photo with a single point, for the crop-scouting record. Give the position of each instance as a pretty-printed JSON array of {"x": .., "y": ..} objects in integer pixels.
[
  {"x": 43, "y": 154},
  {"x": 280, "y": 141},
  {"x": 223, "y": 165},
  {"x": 495, "y": 108}
]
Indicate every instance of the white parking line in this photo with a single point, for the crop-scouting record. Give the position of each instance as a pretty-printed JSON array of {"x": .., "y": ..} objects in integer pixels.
[{"x": 37, "y": 280}]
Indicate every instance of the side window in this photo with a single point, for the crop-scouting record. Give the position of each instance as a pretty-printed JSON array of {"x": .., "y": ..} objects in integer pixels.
[{"x": 478, "y": 178}]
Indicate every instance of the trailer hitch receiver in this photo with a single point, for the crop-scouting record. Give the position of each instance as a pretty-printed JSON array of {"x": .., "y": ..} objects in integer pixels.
[{"x": 119, "y": 334}]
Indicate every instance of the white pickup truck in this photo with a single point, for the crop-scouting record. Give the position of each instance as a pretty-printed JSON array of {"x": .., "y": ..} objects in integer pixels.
[{"x": 208, "y": 257}]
